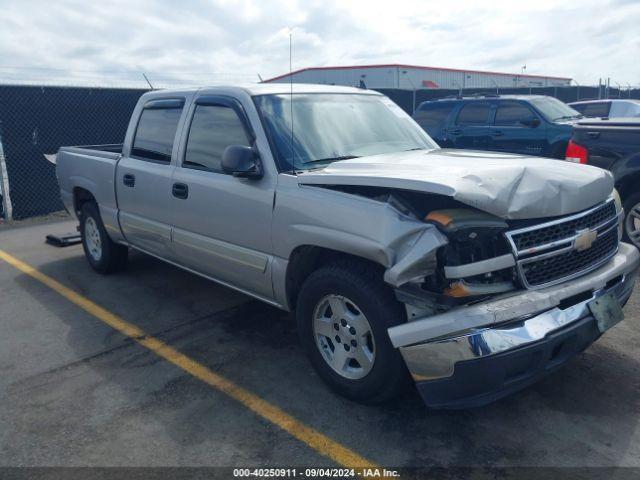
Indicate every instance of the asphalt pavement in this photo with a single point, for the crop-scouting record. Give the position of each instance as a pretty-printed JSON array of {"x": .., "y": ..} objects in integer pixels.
[{"x": 74, "y": 391}]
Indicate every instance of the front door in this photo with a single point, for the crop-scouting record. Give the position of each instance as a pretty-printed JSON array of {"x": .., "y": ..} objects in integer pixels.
[
  {"x": 143, "y": 178},
  {"x": 222, "y": 224}
]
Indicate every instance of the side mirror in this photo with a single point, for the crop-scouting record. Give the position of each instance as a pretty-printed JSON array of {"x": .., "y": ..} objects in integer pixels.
[
  {"x": 531, "y": 122},
  {"x": 241, "y": 161}
]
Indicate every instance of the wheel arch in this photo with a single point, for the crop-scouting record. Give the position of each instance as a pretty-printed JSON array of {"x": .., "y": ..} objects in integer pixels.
[
  {"x": 305, "y": 259},
  {"x": 81, "y": 196},
  {"x": 627, "y": 185}
]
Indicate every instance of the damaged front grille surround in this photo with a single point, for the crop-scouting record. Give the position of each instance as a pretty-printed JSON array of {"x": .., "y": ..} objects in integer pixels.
[{"x": 554, "y": 252}]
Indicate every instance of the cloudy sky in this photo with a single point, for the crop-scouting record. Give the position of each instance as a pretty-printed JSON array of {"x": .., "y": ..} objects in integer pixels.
[{"x": 212, "y": 41}]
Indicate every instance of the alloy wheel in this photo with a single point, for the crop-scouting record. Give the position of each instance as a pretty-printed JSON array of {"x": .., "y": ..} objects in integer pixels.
[{"x": 344, "y": 337}]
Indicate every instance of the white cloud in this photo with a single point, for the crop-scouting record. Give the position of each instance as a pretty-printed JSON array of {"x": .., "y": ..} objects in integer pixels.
[{"x": 208, "y": 41}]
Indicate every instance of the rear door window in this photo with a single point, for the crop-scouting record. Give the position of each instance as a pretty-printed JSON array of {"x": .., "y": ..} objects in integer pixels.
[
  {"x": 433, "y": 115},
  {"x": 474, "y": 113},
  {"x": 512, "y": 114},
  {"x": 155, "y": 134}
]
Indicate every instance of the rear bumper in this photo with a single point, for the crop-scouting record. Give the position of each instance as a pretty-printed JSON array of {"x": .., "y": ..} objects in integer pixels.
[{"x": 497, "y": 347}]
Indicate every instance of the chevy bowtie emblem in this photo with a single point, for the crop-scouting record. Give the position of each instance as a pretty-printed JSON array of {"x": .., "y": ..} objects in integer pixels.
[{"x": 585, "y": 239}]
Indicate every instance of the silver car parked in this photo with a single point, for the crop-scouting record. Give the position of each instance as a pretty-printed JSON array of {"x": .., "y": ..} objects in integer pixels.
[{"x": 475, "y": 272}]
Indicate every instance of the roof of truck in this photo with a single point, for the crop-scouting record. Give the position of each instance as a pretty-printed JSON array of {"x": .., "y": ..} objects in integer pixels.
[
  {"x": 485, "y": 97},
  {"x": 268, "y": 89}
]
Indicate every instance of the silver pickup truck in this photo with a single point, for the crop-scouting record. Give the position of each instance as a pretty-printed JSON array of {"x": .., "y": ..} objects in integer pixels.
[{"x": 474, "y": 273}]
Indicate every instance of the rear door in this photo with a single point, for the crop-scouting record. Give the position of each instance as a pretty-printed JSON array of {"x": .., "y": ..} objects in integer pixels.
[
  {"x": 143, "y": 177},
  {"x": 471, "y": 127},
  {"x": 517, "y": 129},
  {"x": 222, "y": 224}
]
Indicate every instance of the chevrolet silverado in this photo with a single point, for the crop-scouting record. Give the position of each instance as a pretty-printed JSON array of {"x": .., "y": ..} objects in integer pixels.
[{"x": 472, "y": 273}]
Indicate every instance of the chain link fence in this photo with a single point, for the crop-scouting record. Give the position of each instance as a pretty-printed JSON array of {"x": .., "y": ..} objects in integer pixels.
[{"x": 35, "y": 121}]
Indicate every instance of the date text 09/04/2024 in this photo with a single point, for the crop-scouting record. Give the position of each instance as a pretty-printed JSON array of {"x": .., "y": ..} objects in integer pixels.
[{"x": 315, "y": 473}]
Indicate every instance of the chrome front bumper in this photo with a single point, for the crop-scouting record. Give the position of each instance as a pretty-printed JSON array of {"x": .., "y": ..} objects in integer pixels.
[{"x": 432, "y": 346}]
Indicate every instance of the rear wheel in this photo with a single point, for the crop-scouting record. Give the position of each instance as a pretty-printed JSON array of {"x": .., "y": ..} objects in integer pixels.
[
  {"x": 632, "y": 219},
  {"x": 343, "y": 313},
  {"x": 103, "y": 254}
]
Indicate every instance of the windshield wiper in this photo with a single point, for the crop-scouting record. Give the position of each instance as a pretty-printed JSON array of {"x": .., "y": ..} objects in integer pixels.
[
  {"x": 330, "y": 159},
  {"x": 566, "y": 117}
]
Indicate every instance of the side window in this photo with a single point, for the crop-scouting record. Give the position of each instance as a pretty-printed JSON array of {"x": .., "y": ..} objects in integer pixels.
[
  {"x": 155, "y": 134},
  {"x": 474, "y": 113},
  {"x": 213, "y": 129},
  {"x": 512, "y": 114},
  {"x": 596, "y": 109},
  {"x": 433, "y": 115}
]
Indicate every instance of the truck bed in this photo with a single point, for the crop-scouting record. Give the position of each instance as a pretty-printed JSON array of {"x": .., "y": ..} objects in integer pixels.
[
  {"x": 111, "y": 148},
  {"x": 609, "y": 141},
  {"x": 93, "y": 168}
]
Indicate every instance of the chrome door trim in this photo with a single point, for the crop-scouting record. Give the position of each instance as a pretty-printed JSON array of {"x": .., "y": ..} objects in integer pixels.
[
  {"x": 219, "y": 248},
  {"x": 213, "y": 279},
  {"x": 143, "y": 225}
]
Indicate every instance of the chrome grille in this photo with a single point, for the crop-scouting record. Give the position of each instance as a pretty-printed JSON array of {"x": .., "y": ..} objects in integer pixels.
[
  {"x": 565, "y": 229},
  {"x": 541, "y": 271},
  {"x": 546, "y": 254}
]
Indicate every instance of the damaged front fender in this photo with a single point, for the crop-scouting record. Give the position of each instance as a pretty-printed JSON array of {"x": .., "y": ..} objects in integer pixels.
[
  {"x": 418, "y": 260},
  {"x": 373, "y": 229}
]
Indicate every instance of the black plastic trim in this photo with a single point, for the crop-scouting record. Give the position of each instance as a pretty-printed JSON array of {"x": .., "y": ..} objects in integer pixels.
[{"x": 164, "y": 103}]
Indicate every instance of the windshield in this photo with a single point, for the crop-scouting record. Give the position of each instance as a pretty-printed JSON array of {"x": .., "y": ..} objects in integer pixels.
[
  {"x": 330, "y": 127},
  {"x": 553, "y": 109}
]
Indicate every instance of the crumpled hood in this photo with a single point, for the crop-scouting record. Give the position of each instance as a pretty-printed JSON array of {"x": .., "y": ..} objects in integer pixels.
[{"x": 506, "y": 185}]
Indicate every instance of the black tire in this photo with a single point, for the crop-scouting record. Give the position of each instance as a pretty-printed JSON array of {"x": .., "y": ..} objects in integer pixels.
[
  {"x": 113, "y": 257},
  {"x": 362, "y": 283},
  {"x": 629, "y": 203}
]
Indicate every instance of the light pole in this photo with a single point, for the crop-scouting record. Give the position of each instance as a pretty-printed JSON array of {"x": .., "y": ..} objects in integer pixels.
[
  {"x": 459, "y": 87},
  {"x": 619, "y": 88},
  {"x": 413, "y": 108}
]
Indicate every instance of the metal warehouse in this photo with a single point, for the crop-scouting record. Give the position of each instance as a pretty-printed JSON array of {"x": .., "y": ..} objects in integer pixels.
[{"x": 415, "y": 77}]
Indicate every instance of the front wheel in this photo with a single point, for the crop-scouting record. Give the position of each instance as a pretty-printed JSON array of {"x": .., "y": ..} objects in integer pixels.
[
  {"x": 103, "y": 254},
  {"x": 343, "y": 313},
  {"x": 632, "y": 219}
]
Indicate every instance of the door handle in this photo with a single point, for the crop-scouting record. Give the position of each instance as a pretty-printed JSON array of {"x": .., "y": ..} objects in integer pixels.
[
  {"x": 497, "y": 133},
  {"x": 593, "y": 134},
  {"x": 129, "y": 180},
  {"x": 456, "y": 131},
  {"x": 180, "y": 190}
]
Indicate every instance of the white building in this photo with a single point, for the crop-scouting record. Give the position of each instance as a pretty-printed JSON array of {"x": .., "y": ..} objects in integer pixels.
[{"x": 413, "y": 77}]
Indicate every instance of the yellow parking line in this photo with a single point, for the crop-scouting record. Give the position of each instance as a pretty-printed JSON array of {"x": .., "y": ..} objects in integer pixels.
[{"x": 313, "y": 438}]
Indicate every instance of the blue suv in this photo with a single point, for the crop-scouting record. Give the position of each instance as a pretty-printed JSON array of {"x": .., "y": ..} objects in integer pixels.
[{"x": 528, "y": 124}]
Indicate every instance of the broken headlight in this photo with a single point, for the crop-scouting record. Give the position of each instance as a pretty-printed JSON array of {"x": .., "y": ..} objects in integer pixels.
[{"x": 477, "y": 260}]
